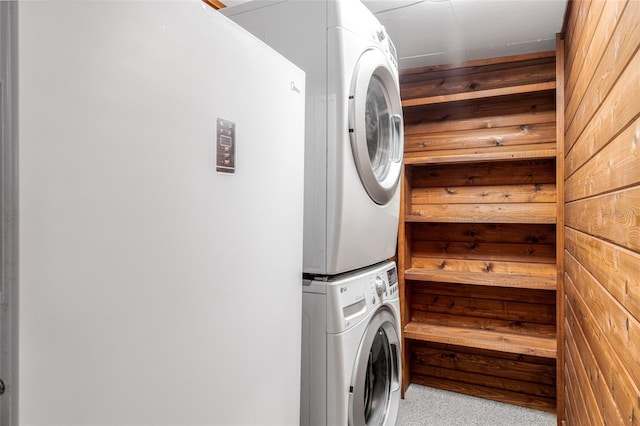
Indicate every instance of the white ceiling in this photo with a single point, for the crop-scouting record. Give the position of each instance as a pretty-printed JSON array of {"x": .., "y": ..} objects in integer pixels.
[{"x": 436, "y": 32}]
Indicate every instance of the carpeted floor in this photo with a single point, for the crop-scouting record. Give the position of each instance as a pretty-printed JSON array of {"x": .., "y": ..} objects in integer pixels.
[{"x": 424, "y": 406}]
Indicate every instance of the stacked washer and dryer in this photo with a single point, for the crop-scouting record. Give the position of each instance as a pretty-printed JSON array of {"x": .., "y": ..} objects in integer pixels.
[{"x": 351, "y": 368}]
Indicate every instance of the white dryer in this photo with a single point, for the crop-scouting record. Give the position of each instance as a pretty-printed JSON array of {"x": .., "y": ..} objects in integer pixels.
[
  {"x": 354, "y": 132},
  {"x": 351, "y": 369}
]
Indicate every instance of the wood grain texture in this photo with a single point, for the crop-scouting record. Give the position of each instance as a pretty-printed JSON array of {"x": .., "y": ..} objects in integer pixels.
[
  {"x": 404, "y": 244},
  {"x": 515, "y": 398},
  {"x": 577, "y": 414},
  {"x": 602, "y": 216},
  {"x": 478, "y": 116},
  {"x": 216, "y": 4},
  {"x": 537, "y": 270},
  {"x": 509, "y": 61},
  {"x": 595, "y": 379},
  {"x": 485, "y": 324},
  {"x": 590, "y": 415},
  {"x": 603, "y": 79},
  {"x": 404, "y": 259},
  {"x": 485, "y": 213},
  {"x": 590, "y": 85},
  {"x": 493, "y": 338},
  {"x": 468, "y": 155},
  {"x": 504, "y": 108},
  {"x": 521, "y": 134},
  {"x": 519, "y": 112},
  {"x": 496, "y": 364},
  {"x": 621, "y": 329},
  {"x": 614, "y": 217},
  {"x": 570, "y": 19},
  {"x": 583, "y": 325},
  {"x": 482, "y": 94},
  {"x": 504, "y": 310},
  {"x": 560, "y": 120},
  {"x": 615, "y": 113},
  {"x": 621, "y": 49},
  {"x": 615, "y": 166},
  {"x": 407, "y": 349},
  {"x": 510, "y": 294},
  {"x": 487, "y": 173},
  {"x": 578, "y": 370},
  {"x": 574, "y": 24},
  {"x": 532, "y": 193},
  {"x": 480, "y": 278},
  {"x": 578, "y": 50},
  {"x": 616, "y": 268},
  {"x": 508, "y": 384},
  {"x": 535, "y": 253},
  {"x": 485, "y": 233},
  {"x": 481, "y": 206},
  {"x": 474, "y": 79}
]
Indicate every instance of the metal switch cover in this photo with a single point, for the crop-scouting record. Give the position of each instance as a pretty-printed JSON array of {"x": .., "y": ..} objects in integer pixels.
[{"x": 226, "y": 146}]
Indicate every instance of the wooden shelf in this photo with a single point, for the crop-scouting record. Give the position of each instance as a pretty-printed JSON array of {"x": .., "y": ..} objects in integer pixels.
[
  {"x": 481, "y": 338},
  {"x": 480, "y": 94},
  {"x": 538, "y": 213},
  {"x": 453, "y": 156},
  {"x": 485, "y": 277}
]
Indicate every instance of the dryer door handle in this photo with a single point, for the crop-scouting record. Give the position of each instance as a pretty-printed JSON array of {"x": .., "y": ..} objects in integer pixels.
[
  {"x": 397, "y": 141},
  {"x": 395, "y": 370}
]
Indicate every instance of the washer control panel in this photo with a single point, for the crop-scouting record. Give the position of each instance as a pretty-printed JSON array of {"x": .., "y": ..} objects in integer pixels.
[
  {"x": 354, "y": 296},
  {"x": 381, "y": 285},
  {"x": 392, "y": 275},
  {"x": 385, "y": 285}
]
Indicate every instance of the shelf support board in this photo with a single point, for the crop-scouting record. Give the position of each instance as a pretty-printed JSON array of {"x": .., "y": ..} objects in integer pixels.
[
  {"x": 480, "y": 94},
  {"x": 540, "y": 346},
  {"x": 484, "y": 279}
]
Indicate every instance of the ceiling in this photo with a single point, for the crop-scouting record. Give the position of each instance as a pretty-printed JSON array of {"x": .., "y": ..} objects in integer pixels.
[{"x": 436, "y": 32}]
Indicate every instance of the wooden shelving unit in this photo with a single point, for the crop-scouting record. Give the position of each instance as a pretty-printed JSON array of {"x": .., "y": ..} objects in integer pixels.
[
  {"x": 478, "y": 242},
  {"x": 483, "y": 277},
  {"x": 481, "y": 94},
  {"x": 496, "y": 337}
]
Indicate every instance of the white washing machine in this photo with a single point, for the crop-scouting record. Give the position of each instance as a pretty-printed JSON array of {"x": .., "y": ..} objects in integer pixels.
[
  {"x": 354, "y": 132},
  {"x": 351, "y": 369}
]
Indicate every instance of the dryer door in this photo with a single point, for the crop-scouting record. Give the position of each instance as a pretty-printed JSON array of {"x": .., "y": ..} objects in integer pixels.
[
  {"x": 375, "y": 125},
  {"x": 374, "y": 395}
]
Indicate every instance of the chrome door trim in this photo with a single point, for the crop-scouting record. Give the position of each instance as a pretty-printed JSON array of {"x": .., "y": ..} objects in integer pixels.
[
  {"x": 374, "y": 64},
  {"x": 385, "y": 319}
]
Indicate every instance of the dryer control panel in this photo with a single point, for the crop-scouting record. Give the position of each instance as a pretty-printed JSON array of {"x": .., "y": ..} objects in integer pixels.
[{"x": 381, "y": 37}]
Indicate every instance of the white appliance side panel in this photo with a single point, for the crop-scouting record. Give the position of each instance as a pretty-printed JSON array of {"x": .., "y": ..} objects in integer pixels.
[
  {"x": 154, "y": 290},
  {"x": 352, "y": 15},
  {"x": 298, "y": 30},
  {"x": 313, "y": 399}
]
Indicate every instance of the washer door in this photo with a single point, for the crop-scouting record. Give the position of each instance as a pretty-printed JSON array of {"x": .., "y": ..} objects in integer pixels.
[
  {"x": 375, "y": 385},
  {"x": 375, "y": 125}
]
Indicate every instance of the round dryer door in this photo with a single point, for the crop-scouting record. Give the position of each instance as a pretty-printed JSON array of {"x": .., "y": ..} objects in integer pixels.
[
  {"x": 375, "y": 384},
  {"x": 375, "y": 125}
]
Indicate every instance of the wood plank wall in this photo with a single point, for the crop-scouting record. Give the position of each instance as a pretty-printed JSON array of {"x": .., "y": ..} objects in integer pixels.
[{"x": 602, "y": 212}]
